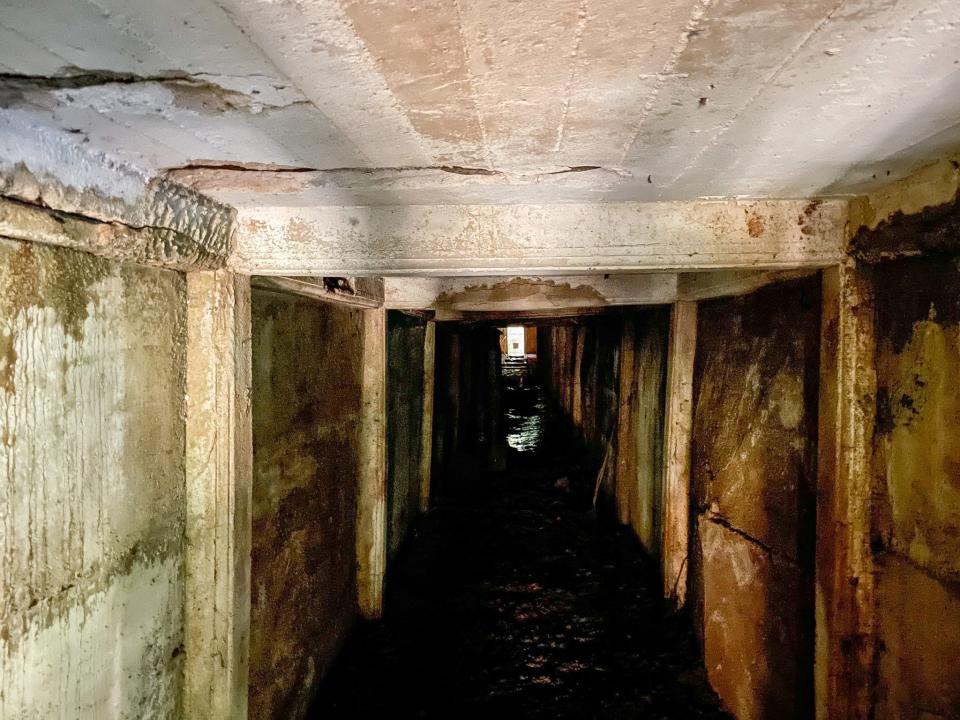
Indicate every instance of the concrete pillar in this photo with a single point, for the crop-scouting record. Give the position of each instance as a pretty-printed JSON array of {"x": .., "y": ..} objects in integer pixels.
[
  {"x": 626, "y": 476},
  {"x": 426, "y": 418},
  {"x": 845, "y": 624},
  {"x": 219, "y": 477},
  {"x": 677, "y": 435},
  {"x": 372, "y": 490},
  {"x": 576, "y": 403}
]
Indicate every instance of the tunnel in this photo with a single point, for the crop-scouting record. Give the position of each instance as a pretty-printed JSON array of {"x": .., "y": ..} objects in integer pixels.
[
  {"x": 479, "y": 359},
  {"x": 528, "y": 515}
]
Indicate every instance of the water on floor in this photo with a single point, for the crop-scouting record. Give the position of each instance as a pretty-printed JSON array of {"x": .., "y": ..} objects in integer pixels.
[
  {"x": 524, "y": 410},
  {"x": 512, "y": 600}
]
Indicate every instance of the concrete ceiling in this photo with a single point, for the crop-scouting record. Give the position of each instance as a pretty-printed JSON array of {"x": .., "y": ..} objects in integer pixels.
[{"x": 371, "y": 102}]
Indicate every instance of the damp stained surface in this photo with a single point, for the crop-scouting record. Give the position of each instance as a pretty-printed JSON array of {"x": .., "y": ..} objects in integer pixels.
[
  {"x": 524, "y": 412},
  {"x": 512, "y": 599}
]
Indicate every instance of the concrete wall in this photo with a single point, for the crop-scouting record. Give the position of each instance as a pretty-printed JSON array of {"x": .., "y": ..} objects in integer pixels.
[
  {"x": 404, "y": 413},
  {"x": 92, "y": 362},
  {"x": 753, "y": 490},
  {"x": 916, "y": 537},
  {"x": 307, "y": 359}
]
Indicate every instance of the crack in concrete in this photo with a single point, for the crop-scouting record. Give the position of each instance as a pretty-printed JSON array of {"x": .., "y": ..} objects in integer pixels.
[
  {"x": 724, "y": 522},
  {"x": 13, "y": 86},
  {"x": 75, "y": 78},
  {"x": 453, "y": 169}
]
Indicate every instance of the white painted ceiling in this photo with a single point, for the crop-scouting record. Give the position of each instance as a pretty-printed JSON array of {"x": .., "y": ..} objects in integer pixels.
[{"x": 311, "y": 102}]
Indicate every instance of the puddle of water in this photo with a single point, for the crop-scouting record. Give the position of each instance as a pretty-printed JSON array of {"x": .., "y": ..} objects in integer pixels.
[{"x": 525, "y": 427}]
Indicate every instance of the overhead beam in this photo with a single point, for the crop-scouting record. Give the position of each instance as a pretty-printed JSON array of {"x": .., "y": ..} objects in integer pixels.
[
  {"x": 565, "y": 239},
  {"x": 355, "y": 292},
  {"x": 528, "y": 294}
]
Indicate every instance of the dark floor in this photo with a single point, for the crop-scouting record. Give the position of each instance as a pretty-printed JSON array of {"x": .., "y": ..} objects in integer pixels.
[{"x": 512, "y": 601}]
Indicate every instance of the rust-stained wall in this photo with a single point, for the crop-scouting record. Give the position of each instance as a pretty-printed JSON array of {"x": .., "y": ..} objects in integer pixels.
[
  {"x": 92, "y": 363},
  {"x": 916, "y": 535},
  {"x": 753, "y": 493},
  {"x": 306, "y": 404},
  {"x": 404, "y": 415}
]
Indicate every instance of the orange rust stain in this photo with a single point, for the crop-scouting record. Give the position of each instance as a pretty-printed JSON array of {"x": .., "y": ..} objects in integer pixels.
[{"x": 754, "y": 225}]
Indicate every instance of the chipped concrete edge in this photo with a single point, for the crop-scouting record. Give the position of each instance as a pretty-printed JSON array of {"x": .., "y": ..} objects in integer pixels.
[
  {"x": 55, "y": 192},
  {"x": 930, "y": 186}
]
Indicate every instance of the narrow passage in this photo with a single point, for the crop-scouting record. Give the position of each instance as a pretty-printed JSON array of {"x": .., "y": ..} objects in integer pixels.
[{"x": 511, "y": 599}]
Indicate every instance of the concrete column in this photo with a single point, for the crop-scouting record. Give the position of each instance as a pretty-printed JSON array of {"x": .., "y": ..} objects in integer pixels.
[
  {"x": 845, "y": 622},
  {"x": 626, "y": 476},
  {"x": 372, "y": 490},
  {"x": 426, "y": 418},
  {"x": 677, "y": 435},
  {"x": 576, "y": 404},
  {"x": 219, "y": 478}
]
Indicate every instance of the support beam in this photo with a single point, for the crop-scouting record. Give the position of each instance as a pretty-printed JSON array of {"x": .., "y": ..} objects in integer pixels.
[
  {"x": 426, "y": 418},
  {"x": 626, "y": 476},
  {"x": 219, "y": 478},
  {"x": 539, "y": 239},
  {"x": 845, "y": 626},
  {"x": 372, "y": 491},
  {"x": 576, "y": 403},
  {"x": 678, "y": 429},
  {"x": 452, "y": 296},
  {"x": 356, "y": 292}
]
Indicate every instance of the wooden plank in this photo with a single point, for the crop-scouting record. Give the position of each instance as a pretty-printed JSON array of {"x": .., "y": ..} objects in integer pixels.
[
  {"x": 845, "y": 640},
  {"x": 372, "y": 490},
  {"x": 678, "y": 428},
  {"x": 626, "y": 476},
  {"x": 426, "y": 419},
  {"x": 518, "y": 239},
  {"x": 219, "y": 480}
]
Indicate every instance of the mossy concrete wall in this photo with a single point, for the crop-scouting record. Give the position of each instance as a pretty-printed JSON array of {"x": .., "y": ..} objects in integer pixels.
[
  {"x": 405, "y": 337},
  {"x": 916, "y": 534},
  {"x": 307, "y": 361},
  {"x": 753, "y": 477},
  {"x": 92, "y": 367}
]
